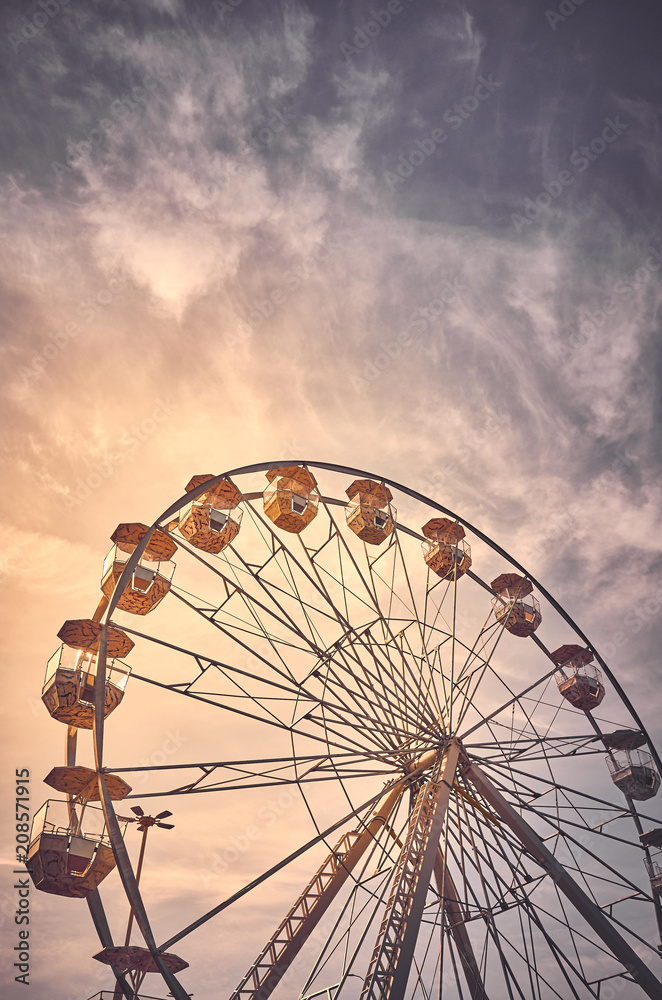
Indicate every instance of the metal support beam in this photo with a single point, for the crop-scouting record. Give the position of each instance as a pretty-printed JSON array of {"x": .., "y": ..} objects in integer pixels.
[
  {"x": 283, "y": 947},
  {"x": 120, "y": 852},
  {"x": 97, "y": 911},
  {"x": 454, "y": 919},
  {"x": 394, "y": 950},
  {"x": 584, "y": 905},
  {"x": 70, "y": 743}
]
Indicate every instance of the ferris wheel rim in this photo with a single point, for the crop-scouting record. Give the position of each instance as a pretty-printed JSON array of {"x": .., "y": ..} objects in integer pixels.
[{"x": 258, "y": 467}]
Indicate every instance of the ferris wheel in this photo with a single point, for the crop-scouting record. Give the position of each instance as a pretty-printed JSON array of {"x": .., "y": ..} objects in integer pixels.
[{"x": 472, "y": 780}]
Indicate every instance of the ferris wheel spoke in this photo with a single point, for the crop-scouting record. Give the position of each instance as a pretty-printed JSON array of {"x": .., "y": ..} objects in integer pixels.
[
  {"x": 563, "y": 962},
  {"x": 387, "y": 731},
  {"x": 499, "y": 845},
  {"x": 344, "y": 549},
  {"x": 367, "y": 690},
  {"x": 385, "y": 657},
  {"x": 360, "y": 720},
  {"x": 253, "y": 605},
  {"x": 370, "y": 588},
  {"x": 363, "y": 717},
  {"x": 367, "y": 582},
  {"x": 467, "y": 855},
  {"x": 340, "y": 710},
  {"x": 565, "y": 804},
  {"x": 550, "y": 783},
  {"x": 346, "y": 658},
  {"x": 342, "y": 731},
  {"x": 592, "y": 914},
  {"x": 315, "y": 582},
  {"x": 529, "y": 946},
  {"x": 560, "y": 823},
  {"x": 269, "y": 587},
  {"x": 305, "y": 694},
  {"x": 349, "y": 661},
  {"x": 556, "y": 818},
  {"x": 532, "y": 913},
  {"x": 540, "y": 911},
  {"x": 428, "y": 688},
  {"x": 456, "y": 975},
  {"x": 315, "y": 562},
  {"x": 383, "y": 621},
  {"x": 475, "y": 661},
  {"x": 406, "y": 683},
  {"x": 478, "y": 675},
  {"x": 285, "y": 682},
  {"x": 421, "y": 714},
  {"x": 519, "y": 747},
  {"x": 511, "y": 701},
  {"x": 246, "y": 781},
  {"x": 300, "y": 636},
  {"x": 275, "y": 723},
  {"x": 394, "y": 788},
  {"x": 620, "y": 880},
  {"x": 234, "y": 624},
  {"x": 454, "y": 648},
  {"x": 476, "y": 848},
  {"x": 227, "y": 630},
  {"x": 276, "y": 594},
  {"x": 296, "y": 693},
  {"x": 564, "y": 911}
]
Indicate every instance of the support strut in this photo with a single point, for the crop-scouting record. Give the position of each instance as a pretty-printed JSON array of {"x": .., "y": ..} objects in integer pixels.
[{"x": 394, "y": 950}]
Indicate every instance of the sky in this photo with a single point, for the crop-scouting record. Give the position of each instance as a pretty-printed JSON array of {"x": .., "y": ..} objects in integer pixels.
[{"x": 420, "y": 239}]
